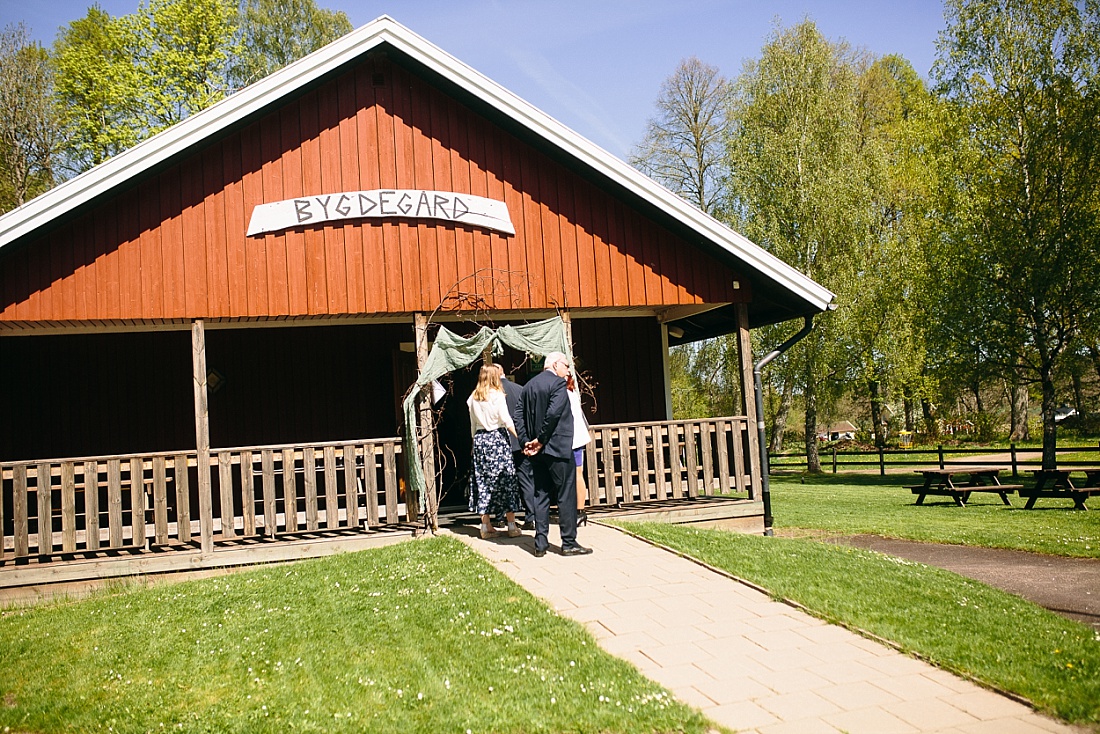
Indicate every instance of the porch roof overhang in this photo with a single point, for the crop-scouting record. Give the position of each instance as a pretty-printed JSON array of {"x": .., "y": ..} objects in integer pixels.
[{"x": 779, "y": 291}]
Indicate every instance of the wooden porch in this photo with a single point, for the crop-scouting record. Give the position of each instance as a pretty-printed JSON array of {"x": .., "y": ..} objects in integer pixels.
[{"x": 144, "y": 513}]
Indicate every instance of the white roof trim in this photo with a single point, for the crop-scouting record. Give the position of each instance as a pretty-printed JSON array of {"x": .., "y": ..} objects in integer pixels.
[{"x": 178, "y": 138}]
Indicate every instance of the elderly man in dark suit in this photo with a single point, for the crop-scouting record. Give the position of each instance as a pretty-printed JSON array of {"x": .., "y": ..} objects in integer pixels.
[
  {"x": 547, "y": 436},
  {"x": 512, "y": 392}
]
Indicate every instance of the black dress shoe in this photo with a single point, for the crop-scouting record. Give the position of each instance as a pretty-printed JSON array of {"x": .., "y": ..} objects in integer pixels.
[
  {"x": 528, "y": 525},
  {"x": 540, "y": 553},
  {"x": 576, "y": 550}
]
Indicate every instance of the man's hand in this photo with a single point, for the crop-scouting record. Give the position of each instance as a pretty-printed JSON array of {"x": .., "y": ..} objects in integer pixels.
[{"x": 532, "y": 447}]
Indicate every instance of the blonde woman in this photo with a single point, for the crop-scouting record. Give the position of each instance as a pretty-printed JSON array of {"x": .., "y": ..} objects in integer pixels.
[{"x": 493, "y": 488}]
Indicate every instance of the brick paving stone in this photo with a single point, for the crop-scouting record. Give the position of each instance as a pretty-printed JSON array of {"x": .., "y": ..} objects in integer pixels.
[
  {"x": 914, "y": 686},
  {"x": 778, "y": 640},
  {"x": 987, "y": 705},
  {"x": 1006, "y": 726},
  {"x": 930, "y": 713},
  {"x": 852, "y": 696},
  {"x": 844, "y": 671},
  {"x": 674, "y": 677},
  {"x": 791, "y": 681},
  {"x": 869, "y": 720},
  {"x": 734, "y": 689},
  {"x": 741, "y": 715},
  {"x": 669, "y": 655},
  {"x": 798, "y": 705},
  {"x": 799, "y": 726}
]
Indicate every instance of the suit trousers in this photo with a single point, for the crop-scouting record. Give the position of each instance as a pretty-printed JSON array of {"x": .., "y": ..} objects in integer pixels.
[
  {"x": 525, "y": 475},
  {"x": 558, "y": 477}
]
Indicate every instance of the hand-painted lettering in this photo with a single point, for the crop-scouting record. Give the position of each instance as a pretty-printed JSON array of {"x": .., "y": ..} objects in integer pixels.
[
  {"x": 441, "y": 207},
  {"x": 404, "y": 203},
  {"x": 301, "y": 210},
  {"x": 342, "y": 207},
  {"x": 366, "y": 205},
  {"x": 384, "y": 202},
  {"x": 460, "y": 208},
  {"x": 423, "y": 205}
]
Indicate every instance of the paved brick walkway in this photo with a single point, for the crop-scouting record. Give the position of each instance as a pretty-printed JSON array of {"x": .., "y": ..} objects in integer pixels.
[{"x": 747, "y": 662}]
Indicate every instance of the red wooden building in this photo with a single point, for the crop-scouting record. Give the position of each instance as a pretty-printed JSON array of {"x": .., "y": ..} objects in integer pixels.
[{"x": 168, "y": 381}]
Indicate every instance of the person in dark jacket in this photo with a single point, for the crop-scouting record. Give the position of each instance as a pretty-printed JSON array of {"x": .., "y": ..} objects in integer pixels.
[
  {"x": 547, "y": 438},
  {"x": 524, "y": 474}
]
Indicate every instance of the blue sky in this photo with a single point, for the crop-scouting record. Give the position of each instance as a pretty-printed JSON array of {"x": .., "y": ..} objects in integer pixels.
[{"x": 597, "y": 65}]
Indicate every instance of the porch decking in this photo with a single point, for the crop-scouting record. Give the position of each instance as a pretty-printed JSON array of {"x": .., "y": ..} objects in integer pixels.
[{"x": 141, "y": 514}]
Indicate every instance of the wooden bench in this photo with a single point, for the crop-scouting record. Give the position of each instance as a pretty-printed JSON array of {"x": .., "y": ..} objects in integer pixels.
[
  {"x": 1057, "y": 484},
  {"x": 941, "y": 482}
]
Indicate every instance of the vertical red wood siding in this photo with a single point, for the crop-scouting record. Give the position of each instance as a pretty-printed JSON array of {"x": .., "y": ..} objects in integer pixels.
[{"x": 174, "y": 246}]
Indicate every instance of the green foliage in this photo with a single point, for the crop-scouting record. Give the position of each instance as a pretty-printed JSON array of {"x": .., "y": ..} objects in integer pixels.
[
  {"x": 955, "y": 622},
  {"x": 28, "y": 131},
  {"x": 422, "y": 636},
  {"x": 275, "y": 33},
  {"x": 1019, "y": 262}
]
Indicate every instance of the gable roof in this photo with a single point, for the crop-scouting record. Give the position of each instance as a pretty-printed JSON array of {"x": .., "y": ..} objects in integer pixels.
[{"x": 780, "y": 292}]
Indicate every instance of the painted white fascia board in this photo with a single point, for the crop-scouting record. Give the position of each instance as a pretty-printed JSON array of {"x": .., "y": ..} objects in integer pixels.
[{"x": 269, "y": 90}]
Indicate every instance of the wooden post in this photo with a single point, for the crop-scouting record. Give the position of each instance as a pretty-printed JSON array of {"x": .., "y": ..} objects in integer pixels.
[
  {"x": 426, "y": 431},
  {"x": 666, "y": 371},
  {"x": 202, "y": 435},
  {"x": 567, "y": 320},
  {"x": 748, "y": 398}
]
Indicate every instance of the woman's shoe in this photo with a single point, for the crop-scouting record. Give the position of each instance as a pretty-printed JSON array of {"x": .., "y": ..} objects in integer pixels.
[
  {"x": 487, "y": 533},
  {"x": 514, "y": 531},
  {"x": 582, "y": 518}
]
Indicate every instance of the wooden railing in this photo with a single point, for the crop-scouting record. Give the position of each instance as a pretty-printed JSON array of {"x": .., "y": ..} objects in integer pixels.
[
  {"x": 643, "y": 462},
  {"x": 151, "y": 501}
]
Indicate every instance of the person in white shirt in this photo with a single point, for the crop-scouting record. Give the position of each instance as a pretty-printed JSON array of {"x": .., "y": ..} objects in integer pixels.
[
  {"x": 581, "y": 438},
  {"x": 493, "y": 486}
]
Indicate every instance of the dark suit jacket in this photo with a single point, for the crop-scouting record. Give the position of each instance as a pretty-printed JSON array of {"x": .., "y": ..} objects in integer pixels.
[
  {"x": 546, "y": 415},
  {"x": 512, "y": 391}
]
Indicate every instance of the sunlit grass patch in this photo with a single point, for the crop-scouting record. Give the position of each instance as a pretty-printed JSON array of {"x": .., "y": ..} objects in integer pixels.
[
  {"x": 881, "y": 506},
  {"x": 422, "y": 637},
  {"x": 955, "y": 622}
]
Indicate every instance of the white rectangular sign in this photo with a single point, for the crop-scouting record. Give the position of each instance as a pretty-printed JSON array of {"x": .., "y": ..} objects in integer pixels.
[{"x": 307, "y": 211}]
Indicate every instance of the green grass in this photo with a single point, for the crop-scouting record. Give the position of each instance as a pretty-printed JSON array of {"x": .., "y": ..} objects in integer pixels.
[
  {"x": 422, "y": 636},
  {"x": 956, "y": 623},
  {"x": 852, "y": 504}
]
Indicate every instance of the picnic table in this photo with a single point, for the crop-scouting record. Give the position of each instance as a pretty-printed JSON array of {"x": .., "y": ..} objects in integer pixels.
[
  {"x": 958, "y": 482},
  {"x": 1057, "y": 483}
]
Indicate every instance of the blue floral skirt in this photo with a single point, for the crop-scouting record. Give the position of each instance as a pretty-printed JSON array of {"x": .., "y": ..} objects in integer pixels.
[{"x": 494, "y": 488}]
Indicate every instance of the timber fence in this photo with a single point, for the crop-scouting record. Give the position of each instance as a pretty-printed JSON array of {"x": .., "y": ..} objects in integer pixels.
[{"x": 1016, "y": 459}]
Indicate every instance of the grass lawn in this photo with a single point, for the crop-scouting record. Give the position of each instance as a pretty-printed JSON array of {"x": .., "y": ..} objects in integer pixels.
[
  {"x": 422, "y": 636},
  {"x": 857, "y": 503},
  {"x": 959, "y": 624}
]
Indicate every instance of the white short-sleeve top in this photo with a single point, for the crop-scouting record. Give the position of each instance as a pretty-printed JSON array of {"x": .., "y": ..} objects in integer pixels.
[{"x": 491, "y": 414}]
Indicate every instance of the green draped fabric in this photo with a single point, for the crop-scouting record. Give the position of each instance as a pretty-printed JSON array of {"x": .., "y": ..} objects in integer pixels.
[{"x": 452, "y": 352}]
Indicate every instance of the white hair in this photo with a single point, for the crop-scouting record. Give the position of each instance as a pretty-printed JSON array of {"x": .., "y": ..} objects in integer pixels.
[{"x": 552, "y": 358}]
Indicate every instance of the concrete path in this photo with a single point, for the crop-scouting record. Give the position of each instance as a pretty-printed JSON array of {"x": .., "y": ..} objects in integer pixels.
[{"x": 748, "y": 663}]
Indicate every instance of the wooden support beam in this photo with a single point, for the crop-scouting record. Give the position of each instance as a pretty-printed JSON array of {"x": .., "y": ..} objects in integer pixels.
[
  {"x": 748, "y": 399},
  {"x": 426, "y": 429},
  {"x": 202, "y": 436}
]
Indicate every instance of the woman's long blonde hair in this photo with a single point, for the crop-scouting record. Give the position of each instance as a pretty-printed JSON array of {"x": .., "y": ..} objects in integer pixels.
[{"x": 487, "y": 380}]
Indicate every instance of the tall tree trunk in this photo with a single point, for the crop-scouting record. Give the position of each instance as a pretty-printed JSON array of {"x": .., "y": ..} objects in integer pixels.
[
  {"x": 1050, "y": 428},
  {"x": 931, "y": 426},
  {"x": 779, "y": 425},
  {"x": 910, "y": 422},
  {"x": 1018, "y": 400},
  {"x": 979, "y": 406},
  {"x": 876, "y": 413},
  {"x": 813, "y": 459}
]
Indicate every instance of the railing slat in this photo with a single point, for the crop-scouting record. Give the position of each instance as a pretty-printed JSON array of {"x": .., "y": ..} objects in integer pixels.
[
  {"x": 68, "y": 508},
  {"x": 248, "y": 493},
  {"x": 114, "y": 503},
  {"x": 20, "y": 521},
  {"x": 290, "y": 491},
  {"x": 309, "y": 473},
  {"x": 3, "y": 543},
  {"x": 137, "y": 501},
  {"x": 645, "y": 489},
  {"x": 351, "y": 485},
  {"x": 267, "y": 459},
  {"x": 370, "y": 477},
  {"x": 160, "y": 500},
  {"x": 332, "y": 503},
  {"x": 707, "y": 467},
  {"x": 593, "y": 472},
  {"x": 183, "y": 499},
  {"x": 44, "y": 490},
  {"x": 390, "y": 466},
  {"x": 91, "y": 505},
  {"x": 225, "y": 494},
  {"x": 692, "y": 460},
  {"x": 721, "y": 436},
  {"x": 659, "y": 462},
  {"x": 677, "y": 465},
  {"x": 739, "y": 456}
]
